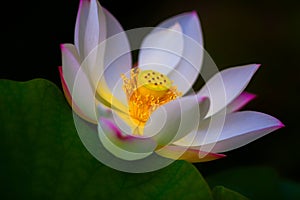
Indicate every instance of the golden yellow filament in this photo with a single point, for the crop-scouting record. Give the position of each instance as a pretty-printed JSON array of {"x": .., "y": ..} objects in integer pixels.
[{"x": 146, "y": 91}]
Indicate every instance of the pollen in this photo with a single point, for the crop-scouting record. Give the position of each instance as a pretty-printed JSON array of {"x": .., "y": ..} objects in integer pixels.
[{"x": 146, "y": 91}]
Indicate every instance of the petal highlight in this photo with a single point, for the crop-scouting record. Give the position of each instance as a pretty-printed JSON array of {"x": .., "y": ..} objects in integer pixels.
[
  {"x": 238, "y": 129},
  {"x": 225, "y": 86},
  {"x": 68, "y": 96},
  {"x": 90, "y": 28},
  {"x": 162, "y": 49},
  {"x": 117, "y": 61}
]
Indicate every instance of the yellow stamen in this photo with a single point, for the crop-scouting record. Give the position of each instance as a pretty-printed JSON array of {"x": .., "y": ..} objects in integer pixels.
[{"x": 146, "y": 91}]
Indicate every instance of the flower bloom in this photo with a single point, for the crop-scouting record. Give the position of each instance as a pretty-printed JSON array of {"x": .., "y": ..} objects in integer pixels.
[{"x": 148, "y": 108}]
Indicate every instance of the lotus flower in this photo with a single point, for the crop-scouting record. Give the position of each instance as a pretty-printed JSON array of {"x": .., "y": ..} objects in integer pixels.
[{"x": 149, "y": 108}]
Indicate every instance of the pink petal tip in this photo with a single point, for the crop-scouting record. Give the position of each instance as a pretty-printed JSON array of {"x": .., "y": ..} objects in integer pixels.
[
  {"x": 257, "y": 65},
  {"x": 281, "y": 125},
  {"x": 194, "y": 12},
  {"x": 62, "y": 47},
  {"x": 249, "y": 96}
]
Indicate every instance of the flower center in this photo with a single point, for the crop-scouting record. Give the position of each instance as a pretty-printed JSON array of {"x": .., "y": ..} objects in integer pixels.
[{"x": 146, "y": 91}]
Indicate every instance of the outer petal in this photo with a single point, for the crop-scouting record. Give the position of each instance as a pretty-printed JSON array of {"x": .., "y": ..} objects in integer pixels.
[
  {"x": 68, "y": 96},
  {"x": 124, "y": 146},
  {"x": 240, "y": 102},
  {"x": 70, "y": 64},
  {"x": 78, "y": 84},
  {"x": 175, "y": 119},
  {"x": 84, "y": 100},
  {"x": 90, "y": 28},
  {"x": 84, "y": 96},
  {"x": 162, "y": 49},
  {"x": 225, "y": 86},
  {"x": 239, "y": 128},
  {"x": 189, "y": 67},
  {"x": 188, "y": 154}
]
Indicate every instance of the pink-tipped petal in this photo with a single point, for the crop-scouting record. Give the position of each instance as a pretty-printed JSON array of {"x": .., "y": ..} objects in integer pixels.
[
  {"x": 188, "y": 154},
  {"x": 123, "y": 146},
  {"x": 225, "y": 86},
  {"x": 68, "y": 96},
  {"x": 238, "y": 129},
  {"x": 240, "y": 102},
  {"x": 83, "y": 95},
  {"x": 77, "y": 81},
  {"x": 70, "y": 64}
]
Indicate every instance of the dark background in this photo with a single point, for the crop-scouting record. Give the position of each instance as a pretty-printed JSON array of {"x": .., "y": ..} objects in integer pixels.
[{"x": 235, "y": 32}]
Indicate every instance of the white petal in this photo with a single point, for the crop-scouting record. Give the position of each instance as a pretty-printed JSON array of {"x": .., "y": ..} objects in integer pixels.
[
  {"x": 90, "y": 27},
  {"x": 162, "y": 49},
  {"x": 225, "y": 86},
  {"x": 238, "y": 129},
  {"x": 70, "y": 64},
  {"x": 175, "y": 119},
  {"x": 189, "y": 66},
  {"x": 80, "y": 25},
  {"x": 117, "y": 59},
  {"x": 83, "y": 95},
  {"x": 110, "y": 59},
  {"x": 124, "y": 146}
]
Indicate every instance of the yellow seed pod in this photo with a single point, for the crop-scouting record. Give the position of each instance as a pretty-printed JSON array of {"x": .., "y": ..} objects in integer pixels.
[{"x": 154, "y": 81}]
